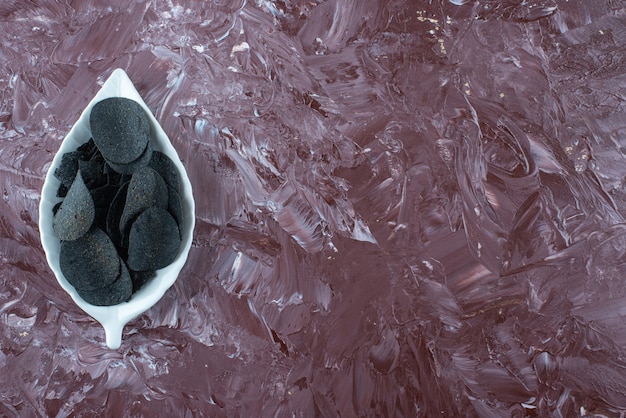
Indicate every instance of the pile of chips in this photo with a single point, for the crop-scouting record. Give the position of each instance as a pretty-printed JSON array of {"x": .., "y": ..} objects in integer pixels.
[{"x": 121, "y": 215}]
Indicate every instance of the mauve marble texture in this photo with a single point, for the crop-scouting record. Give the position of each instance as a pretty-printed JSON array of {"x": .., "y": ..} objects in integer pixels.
[{"x": 405, "y": 208}]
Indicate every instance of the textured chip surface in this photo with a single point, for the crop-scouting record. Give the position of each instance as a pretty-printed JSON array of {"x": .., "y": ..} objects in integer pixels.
[
  {"x": 154, "y": 240},
  {"x": 120, "y": 129},
  {"x": 146, "y": 188},
  {"x": 90, "y": 262},
  {"x": 129, "y": 168},
  {"x": 175, "y": 206},
  {"x": 77, "y": 212},
  {"x": 117, "y": 292},
  {"x": 163, "y": 165}
]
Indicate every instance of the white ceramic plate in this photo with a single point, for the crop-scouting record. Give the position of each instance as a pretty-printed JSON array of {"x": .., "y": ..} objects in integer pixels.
[{"x": 113, "y": 318}]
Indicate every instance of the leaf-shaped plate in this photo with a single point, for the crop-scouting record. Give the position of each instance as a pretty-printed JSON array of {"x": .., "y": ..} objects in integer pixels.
[{"x": 113, "y": 318}]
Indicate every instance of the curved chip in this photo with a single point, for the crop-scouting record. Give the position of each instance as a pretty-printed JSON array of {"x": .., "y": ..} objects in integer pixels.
[
  {"x": 117, "y": 292},
  {"x": 120, "y": 129},
  {"x": 146, "y": 188},
  {"x": 77, "y": 212},
  {"x": 130, "y": 167},
  {"x": 154, "y": 240},
  {"x": 90, "y": 262},
  {"x": 175, "y": 206},
  {"x": 163, "y": 165}
]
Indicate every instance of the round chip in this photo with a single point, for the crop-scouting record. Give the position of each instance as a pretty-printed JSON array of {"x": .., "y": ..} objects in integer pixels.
[
  {"x": 154, "y": 240},
  {"x": 120, "y": 129},
  {"x": 90, "y": 262},
  {"x": 117, "y": 292}
]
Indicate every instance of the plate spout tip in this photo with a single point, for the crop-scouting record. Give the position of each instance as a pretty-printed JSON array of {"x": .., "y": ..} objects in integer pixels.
[{"x": 113, "y": 333}]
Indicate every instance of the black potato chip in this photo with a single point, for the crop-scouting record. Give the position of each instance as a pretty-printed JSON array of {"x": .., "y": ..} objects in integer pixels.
[
  {"x": 88, "y": 149},
  {"x": 66, "y": 171},
  {"x": 90, "y": 262},
  {"x": 140, "y": 278},
  {"x": 129, "y": 168},
  {"x": 117, "y": 292},
  {"x": 114, "y": 215},
  {"x": 162, "y": 164},
  {"x": 146, "y": 188},
  {"x": 154, "y": 240},
  {"x": 76, "y": 214},
  {"x": 175, "y": 206},
  {"x": 120, "y": 129}
]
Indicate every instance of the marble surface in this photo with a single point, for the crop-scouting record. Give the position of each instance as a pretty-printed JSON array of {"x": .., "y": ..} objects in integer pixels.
[{"x": 403, "y": 208}]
